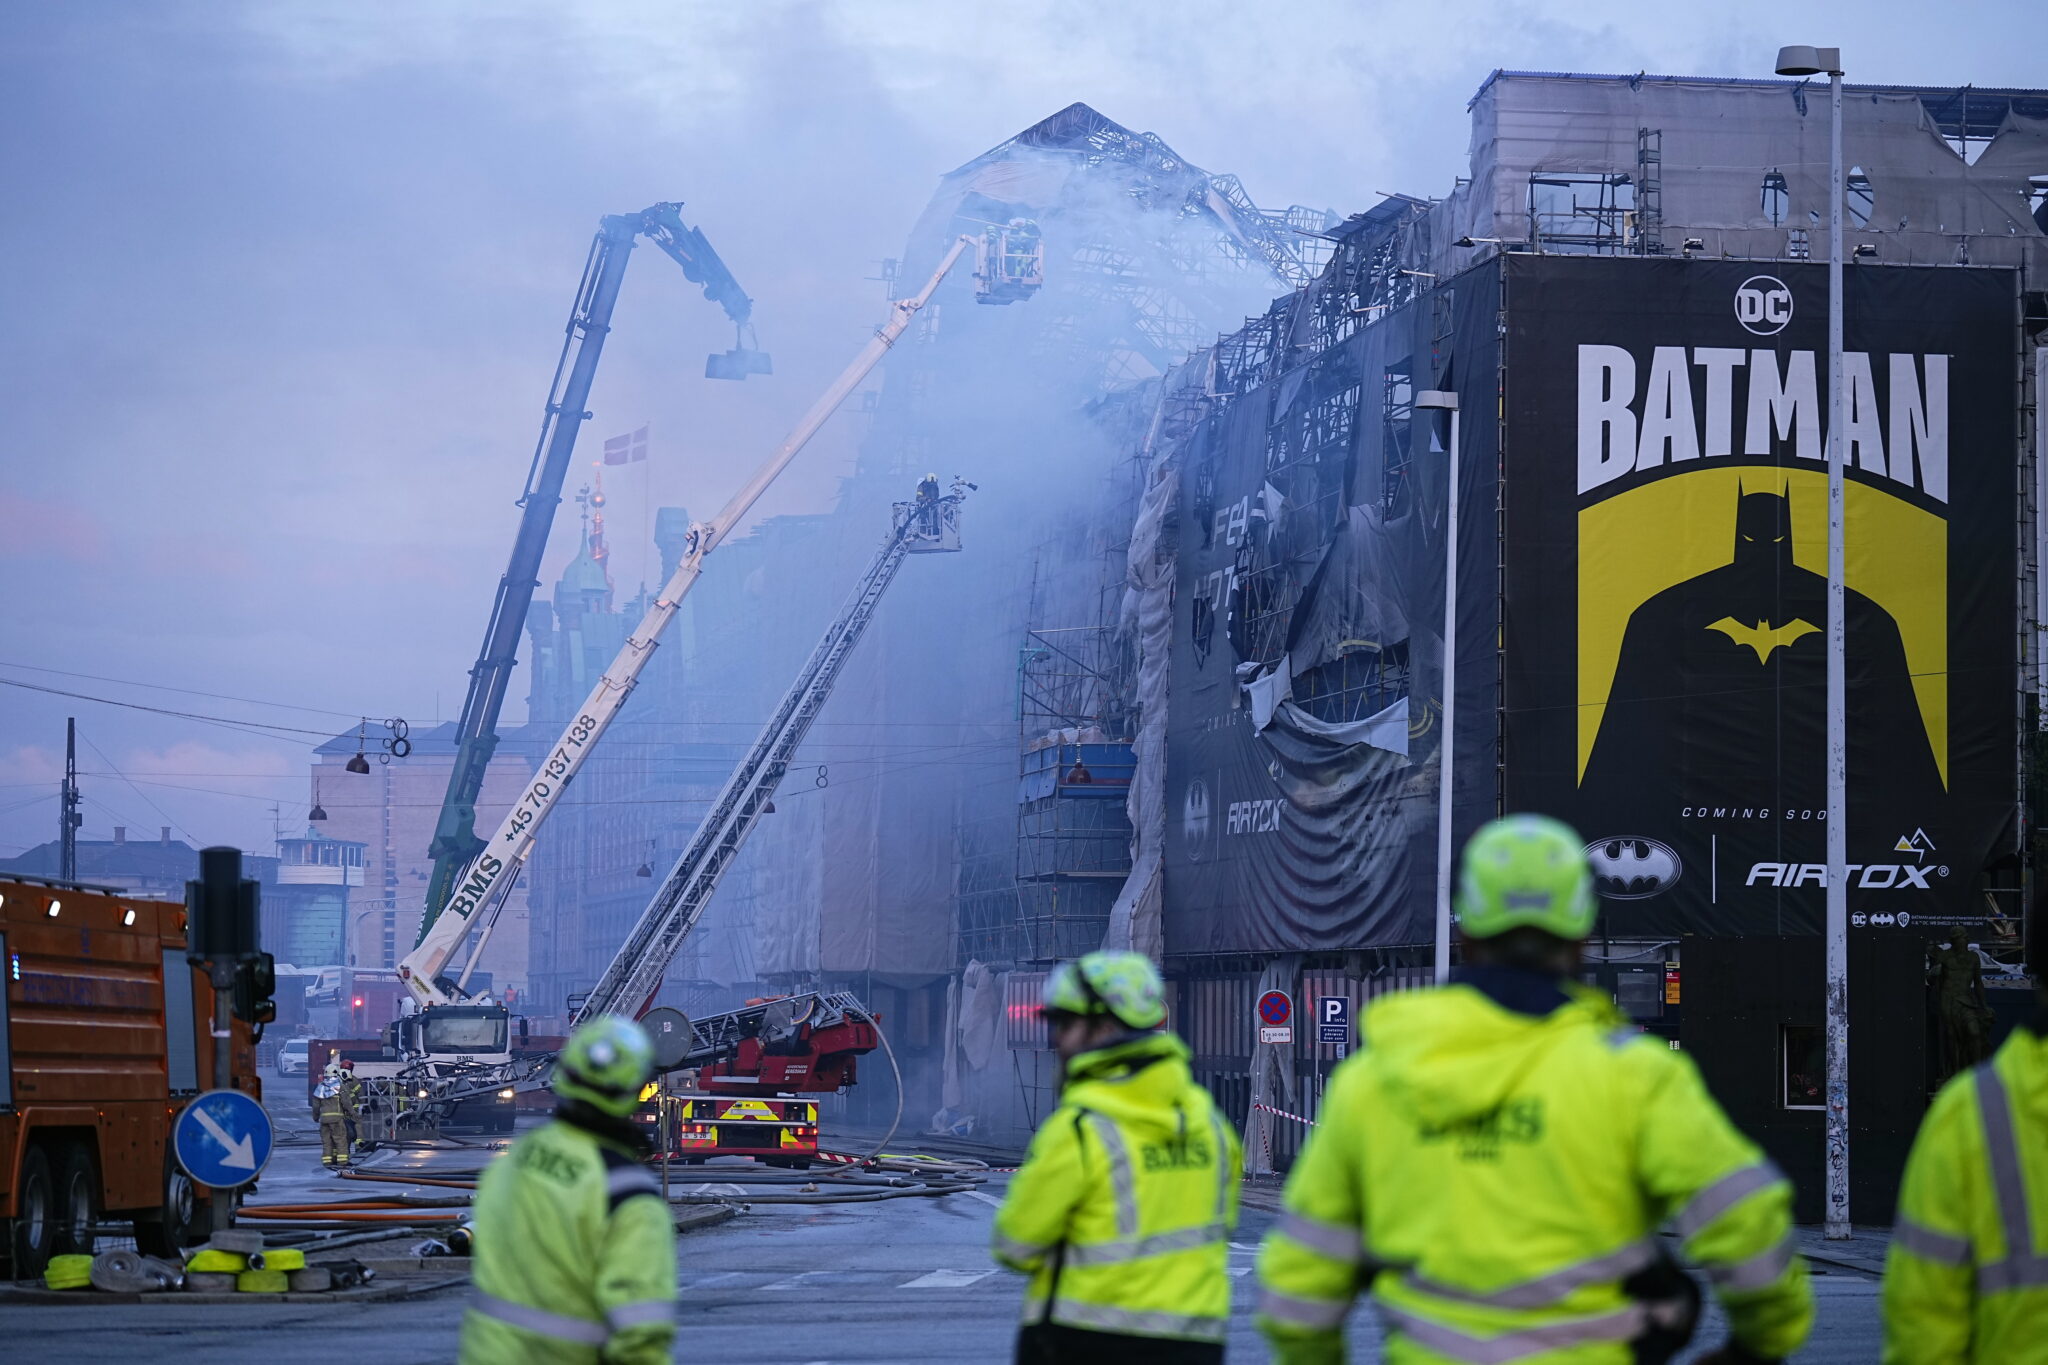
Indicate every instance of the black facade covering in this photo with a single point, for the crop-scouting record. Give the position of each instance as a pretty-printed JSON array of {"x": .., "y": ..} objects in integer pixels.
[
  {"x": 1642, "y": 612},
  {"x": 1301, "y": 788}
]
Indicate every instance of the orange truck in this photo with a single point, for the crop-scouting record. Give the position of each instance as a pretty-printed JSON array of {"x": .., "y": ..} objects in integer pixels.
[{"x": 105, "y": 1035}]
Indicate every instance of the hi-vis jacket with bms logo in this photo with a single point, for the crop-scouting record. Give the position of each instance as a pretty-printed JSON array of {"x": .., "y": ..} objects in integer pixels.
[
  {"x": 1122, "y": 1211},
  {"x": 1493, "y": 1175},
  {"x": 575, "y": 1255},
  {"x": 1967, "y": 1275}
]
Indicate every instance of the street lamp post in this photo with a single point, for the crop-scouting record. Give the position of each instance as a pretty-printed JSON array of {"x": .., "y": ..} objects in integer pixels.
[
  {"x": 1812, "y": 61},
  {"x": 1445, "y": 400}
]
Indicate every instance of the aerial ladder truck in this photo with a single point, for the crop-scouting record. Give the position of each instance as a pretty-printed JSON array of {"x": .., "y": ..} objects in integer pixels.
[
  {"x": 753, "y": 1064},
  {"x": 456, "y": 1048}
]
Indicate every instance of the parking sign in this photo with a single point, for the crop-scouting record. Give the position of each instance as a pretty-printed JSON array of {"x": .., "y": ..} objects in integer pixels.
[{"x": 1333, "y": 1019}]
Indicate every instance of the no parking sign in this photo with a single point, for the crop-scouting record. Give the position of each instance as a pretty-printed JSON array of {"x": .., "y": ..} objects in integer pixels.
[{"x": 1276, "y": 1017}]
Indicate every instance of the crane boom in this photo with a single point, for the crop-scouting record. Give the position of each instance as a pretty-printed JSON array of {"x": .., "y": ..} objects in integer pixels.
[
  {"x": 476, "y": 738},
  {"x": 487, "y": 878},
  {"x": 635, "y": 974}
]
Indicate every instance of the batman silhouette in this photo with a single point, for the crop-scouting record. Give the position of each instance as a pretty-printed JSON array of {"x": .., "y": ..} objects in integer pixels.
[{"x": 1720, "y": 695}]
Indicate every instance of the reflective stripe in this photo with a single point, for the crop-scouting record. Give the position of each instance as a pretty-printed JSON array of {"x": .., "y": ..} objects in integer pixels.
[
  {"x": 1546, "y": 1290},
  {"x": 1142, "y": 1322},
  {"x": 2014, "y": 1272},
  {"x": 542, "y": 1322},
  {"x": 1334, "y": 1240},
  {"x": 1123, "y": 1184},
  {"x": 1226, "y": 1179},
  {"x": 1012, "y": 1249},
  {"x": 1320, "y": 1314},
  {"x": 639, "y": 1314},
  {"x": 630, "y": 1180},
  {"x": 1617, "y": 1326},
  {"x": 1929, "y": 1245},
  {"x": 1135, "y": 1248},
  {"x": 1760, "y": 1271},
  {"x": 1723, "y": 1195},
  {"x": 2006, "y": 1180}
]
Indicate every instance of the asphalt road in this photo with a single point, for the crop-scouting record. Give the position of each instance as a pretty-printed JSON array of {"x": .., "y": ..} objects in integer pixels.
[{"x": 903, "y": 1280}]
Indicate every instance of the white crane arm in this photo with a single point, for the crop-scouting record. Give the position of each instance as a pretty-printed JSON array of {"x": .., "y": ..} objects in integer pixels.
[{"x": 489, "y": 877}]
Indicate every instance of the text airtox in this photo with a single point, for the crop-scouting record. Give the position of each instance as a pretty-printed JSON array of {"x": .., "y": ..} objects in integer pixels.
[{"x": 1752, "y": 400}]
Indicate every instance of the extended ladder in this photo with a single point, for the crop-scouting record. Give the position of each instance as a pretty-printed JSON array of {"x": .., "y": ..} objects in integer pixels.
[{"x": 929, "y": 525}]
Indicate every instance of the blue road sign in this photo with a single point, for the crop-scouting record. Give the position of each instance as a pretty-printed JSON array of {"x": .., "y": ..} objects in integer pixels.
[
  {"x": 222, "y": 1139},
  {"x": 1333, "y": 1019}
]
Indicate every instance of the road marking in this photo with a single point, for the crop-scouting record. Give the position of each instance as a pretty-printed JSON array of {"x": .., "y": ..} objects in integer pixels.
[
  {"x": 800, "y": 1280},
  {"x": 946, "y": 1279},
  {"x": 987, "y": 1199},
  {"x": 714, "y": 1279}
]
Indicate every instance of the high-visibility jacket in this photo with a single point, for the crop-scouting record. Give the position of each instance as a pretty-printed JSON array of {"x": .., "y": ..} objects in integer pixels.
[
  {"x": 575, "y": 1256},
  {"x": 1967, "y": 1275},
  {"x": 1122, "y": 1210},
  {"x": 1492, "y": 1175}
]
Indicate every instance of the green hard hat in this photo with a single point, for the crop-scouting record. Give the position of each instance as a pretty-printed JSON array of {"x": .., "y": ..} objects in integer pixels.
[
  {"x": 605, "y": 1064},
  {"x": 1525, "y": 871},
  {"x": 1125, "y": 986}
]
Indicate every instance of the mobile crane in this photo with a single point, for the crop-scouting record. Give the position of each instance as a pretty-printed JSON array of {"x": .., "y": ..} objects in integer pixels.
[
  {"x": 455, "y": 842},
  {"x": 1008, "y": 267}
]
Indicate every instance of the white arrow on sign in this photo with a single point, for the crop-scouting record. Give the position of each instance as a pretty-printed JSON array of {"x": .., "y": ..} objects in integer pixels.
[{"x": 241, "y": 1151}]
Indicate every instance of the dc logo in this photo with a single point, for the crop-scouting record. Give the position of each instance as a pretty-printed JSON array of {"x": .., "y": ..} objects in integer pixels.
[
  {"x": 1194, "y": 818},
  {"x": 1763, "y": 305}
]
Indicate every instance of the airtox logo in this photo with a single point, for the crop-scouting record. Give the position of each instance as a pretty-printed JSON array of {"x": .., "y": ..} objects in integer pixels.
[
  {"x": 1632, "y": 868},
  {"x": 1763, "y": 305}
]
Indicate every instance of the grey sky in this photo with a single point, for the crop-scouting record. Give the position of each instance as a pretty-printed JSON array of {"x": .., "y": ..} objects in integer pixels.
[{"x": 284, "y": 282}]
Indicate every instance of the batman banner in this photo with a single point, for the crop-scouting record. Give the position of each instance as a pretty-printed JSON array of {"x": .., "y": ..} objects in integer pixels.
[{"x": 1665, "y": 612}]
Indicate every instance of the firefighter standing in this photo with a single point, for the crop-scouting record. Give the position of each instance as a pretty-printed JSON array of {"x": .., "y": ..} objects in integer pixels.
[
  {"x": 575, "y": 1250},
  {"x": 333, "y": 1107},
  {"x": 1122, "y": 1210},
  {"x": 352, "y": 1095},
  {"x": 1967, "y": 1275},
  {"x": 1493, "y": 1162}
]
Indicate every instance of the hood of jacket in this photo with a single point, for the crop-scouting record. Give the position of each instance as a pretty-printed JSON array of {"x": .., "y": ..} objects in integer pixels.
[
  {"x": 1451, "y": 1053},
  {"x": 1143, "y": 1083}
]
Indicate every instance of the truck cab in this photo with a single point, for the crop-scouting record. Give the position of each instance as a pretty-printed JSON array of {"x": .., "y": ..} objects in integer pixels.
[{"x": 458, "y": 1042}]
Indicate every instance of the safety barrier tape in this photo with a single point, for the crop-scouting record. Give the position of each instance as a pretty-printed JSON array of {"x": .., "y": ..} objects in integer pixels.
[{"x": 1284, "y": 1114}]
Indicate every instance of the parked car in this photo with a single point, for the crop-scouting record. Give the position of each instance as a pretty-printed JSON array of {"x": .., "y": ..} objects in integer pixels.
[{"x": 292, "y": 1058}]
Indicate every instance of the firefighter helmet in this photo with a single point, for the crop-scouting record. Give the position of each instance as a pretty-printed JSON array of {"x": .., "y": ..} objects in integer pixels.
[
  {"x": 604, "y": 1064},
  {"x": 1525, "y": 871},
  {"x": 1125, "y": 986}
]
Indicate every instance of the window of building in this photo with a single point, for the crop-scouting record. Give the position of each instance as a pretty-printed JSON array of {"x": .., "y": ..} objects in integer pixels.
[
  {"x": 1861, "y": 200},
  {"x": 1777, "y": 197},
  {"x": 1804, "y": 1066}
]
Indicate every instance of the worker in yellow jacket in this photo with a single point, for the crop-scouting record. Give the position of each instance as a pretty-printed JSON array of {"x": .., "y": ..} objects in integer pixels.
[
  {"x": 1493, "y": 1163},
  {"x": 575, "y": 1250},
  {"x": 1122, "y": 1211},
  {"x": 1967, "y": 1275}
]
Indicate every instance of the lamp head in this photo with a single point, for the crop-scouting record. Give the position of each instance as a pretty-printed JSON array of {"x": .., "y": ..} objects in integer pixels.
[{"x": 1809, "y": 61}]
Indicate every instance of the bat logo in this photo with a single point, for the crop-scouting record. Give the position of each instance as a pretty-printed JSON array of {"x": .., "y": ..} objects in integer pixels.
[
  {"x": 1632, "y": 868},
  {"x": 1761, "y": 638},
  {"x": 1194, "y": 817}
]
